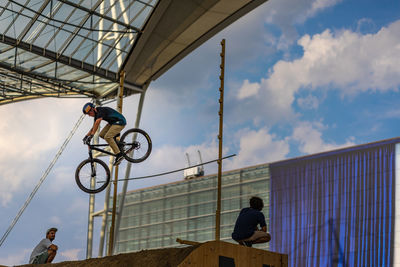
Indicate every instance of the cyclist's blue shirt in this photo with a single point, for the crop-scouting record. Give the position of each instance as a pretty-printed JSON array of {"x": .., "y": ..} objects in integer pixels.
[
  {"x": 247, "y": 222},
  {"x": 110, "y": 115}
]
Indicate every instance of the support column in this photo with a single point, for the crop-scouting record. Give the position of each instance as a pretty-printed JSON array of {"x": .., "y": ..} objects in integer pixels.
[
  {"x": 115, "y": 182},
  {"x": 128, "y": 170},
  {"x": 221, "y": 116},
  {"x": 89, "y": 244},
  {"x": 105, "y": 211}
]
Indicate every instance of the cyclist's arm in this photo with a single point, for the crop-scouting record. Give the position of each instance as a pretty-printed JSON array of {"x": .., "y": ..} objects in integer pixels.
[{"x": 96, "y": 125}]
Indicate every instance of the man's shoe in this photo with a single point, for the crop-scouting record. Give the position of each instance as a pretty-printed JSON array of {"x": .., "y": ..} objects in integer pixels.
[
  {"x": 248, "y": 244},
  {"x": 245, "y": 243},
  {"x": 118, "y": 159}
]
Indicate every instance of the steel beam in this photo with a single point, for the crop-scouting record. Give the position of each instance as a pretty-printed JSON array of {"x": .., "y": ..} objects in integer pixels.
[{"x": 77, "y": 64}]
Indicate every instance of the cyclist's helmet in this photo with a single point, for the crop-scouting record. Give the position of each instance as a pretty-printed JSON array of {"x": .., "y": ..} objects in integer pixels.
[{"x": 87, "y": 107}]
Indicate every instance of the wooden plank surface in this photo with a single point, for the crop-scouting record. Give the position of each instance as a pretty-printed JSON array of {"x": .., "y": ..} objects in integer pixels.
[{"x": 208, "y": 255}]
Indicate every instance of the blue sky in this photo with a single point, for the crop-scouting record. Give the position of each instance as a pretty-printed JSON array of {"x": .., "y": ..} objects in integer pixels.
[{"x": 302, "y": 77}]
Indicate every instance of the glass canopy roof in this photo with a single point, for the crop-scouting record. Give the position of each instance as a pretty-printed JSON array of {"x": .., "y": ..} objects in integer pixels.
[{"x": 66, "y": 48}]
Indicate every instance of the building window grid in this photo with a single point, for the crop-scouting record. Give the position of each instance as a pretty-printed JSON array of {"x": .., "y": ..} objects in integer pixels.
[
  {"x": 191, "y": 183},
  {"x": 141, "y": 203},
  {"x": 146, "y": 238},
  {"x": 169, "y": 239},
  {"x": 228, "y": 218},
  {"x": 168, "y": 228},
  {"x": 225, "y": 206}
]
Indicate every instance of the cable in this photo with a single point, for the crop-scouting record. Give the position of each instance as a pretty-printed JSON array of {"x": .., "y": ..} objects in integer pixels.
[{"x": 165, "y": 173}]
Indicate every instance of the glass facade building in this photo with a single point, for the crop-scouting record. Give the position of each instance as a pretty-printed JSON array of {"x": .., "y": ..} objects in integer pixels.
[{"x": 155, "y": 217}]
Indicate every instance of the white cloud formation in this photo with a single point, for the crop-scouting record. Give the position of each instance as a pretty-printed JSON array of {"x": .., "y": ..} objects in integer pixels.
[
  {"x": 286, "y": 14},
  {"x": 71, "y": 254},
  {"x": 248, "y": 89},
  {"x": 29, "y": 132},
  {"x": 18, "y": 258},
  {"x": 62, "y": 179},
  {"x": 309, "y": 137},
  {"x": 256, "y": 147},
  {"x": 55, "y": 220},
  {"x": 319, "y": 5},
  {"x": 346, "y": 60},
  {"x": 308, "y": 102},
  {"x": 343, "y": 60}
]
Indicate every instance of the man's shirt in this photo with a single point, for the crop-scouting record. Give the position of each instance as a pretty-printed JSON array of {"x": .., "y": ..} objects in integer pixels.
[
  {"x": 40, "y": 248},
  {"x": 110, "y": 115},
  {"x": 247, "y": 222}
]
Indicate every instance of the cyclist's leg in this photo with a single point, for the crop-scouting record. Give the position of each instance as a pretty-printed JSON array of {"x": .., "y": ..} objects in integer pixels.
[
  {"x": 109, "y": 136},
  {"x": 104, "y": 131},
  {"x": 117, "y": 137}
]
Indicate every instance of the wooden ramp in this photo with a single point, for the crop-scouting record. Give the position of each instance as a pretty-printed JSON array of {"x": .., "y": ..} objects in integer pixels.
[{"x": 224, "y": 254}]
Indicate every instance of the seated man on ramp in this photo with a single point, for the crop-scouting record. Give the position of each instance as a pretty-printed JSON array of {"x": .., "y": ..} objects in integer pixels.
[
  {"x": 246, "y": 232},
  {"x": 45, "y": 251}
]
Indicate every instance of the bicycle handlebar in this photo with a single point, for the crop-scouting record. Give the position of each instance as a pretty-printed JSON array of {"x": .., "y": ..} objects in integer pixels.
[{"x": 86, "y": 140}]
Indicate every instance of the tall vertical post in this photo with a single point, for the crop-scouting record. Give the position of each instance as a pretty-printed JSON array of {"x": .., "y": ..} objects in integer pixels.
[
  {"x": 115, "y": 182},
  {"x": 221, "y": 116},
  {"x": 89, "y": 242},
  {"x": 105, "y": 212},
  {"x": 128, "y": 170}
]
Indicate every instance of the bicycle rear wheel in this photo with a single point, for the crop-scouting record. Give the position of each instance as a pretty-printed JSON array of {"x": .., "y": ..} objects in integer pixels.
[
  {"x": 136, "y": 145},
  {"x": 95, "y": 168}
]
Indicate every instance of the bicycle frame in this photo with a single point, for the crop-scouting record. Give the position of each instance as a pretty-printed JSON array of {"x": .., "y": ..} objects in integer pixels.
[
  {"x": 86, "y": 172},
  {"x": 92, "y": 147}
]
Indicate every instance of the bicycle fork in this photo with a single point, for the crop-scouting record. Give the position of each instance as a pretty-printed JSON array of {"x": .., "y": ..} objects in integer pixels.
[{"x": 93, "y": 169}]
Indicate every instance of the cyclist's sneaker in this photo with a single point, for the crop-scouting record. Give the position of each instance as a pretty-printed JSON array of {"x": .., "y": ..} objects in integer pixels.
[{"x": 118, "y": 158}]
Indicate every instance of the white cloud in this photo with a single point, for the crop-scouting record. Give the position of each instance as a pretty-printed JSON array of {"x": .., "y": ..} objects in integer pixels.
[
  {"x": 30, "y": 134},
  {"x": 346, "y": 60},
  {"x": 308, "y": 102},
  {"x": 366, "y": 25},
  {"x": 78, "y": 205},
  {"x": 61, "y": 179},
  {"x": 248, "y": 89},
  {"x": 286, "y": 14},
  {"x": 19, "y": 258},
  {"x": 256, "y": 147},
  {"x": 343, "y": 60},
  {"x": 71, "y": 254},
  {"x": 319, "y": 5},
  {"x": 55, "y": 220},
  {"x": 309, "y": 137}
]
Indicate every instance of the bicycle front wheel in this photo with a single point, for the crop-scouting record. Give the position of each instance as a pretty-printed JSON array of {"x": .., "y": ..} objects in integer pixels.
[
  {"x": 136, "y": 145},
  {"x": 92, "y": 175}
]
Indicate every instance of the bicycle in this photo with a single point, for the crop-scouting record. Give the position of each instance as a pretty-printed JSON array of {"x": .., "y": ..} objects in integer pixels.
[{"x": 93, "y": 175}]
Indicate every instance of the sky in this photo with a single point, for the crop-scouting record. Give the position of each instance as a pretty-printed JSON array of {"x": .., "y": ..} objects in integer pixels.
[{"x": 301, "y": 77}]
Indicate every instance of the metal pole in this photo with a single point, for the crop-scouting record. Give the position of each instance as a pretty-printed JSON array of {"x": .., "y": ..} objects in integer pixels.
[
  {"x": 221, "y": 116},
  {"x": 111, "y": 239},
  {"x": 115, "y": 182},
  {"x": 89, "y": 244},
  {"x": 105, "y": 212},
  {"x": 128, "y": 171}
]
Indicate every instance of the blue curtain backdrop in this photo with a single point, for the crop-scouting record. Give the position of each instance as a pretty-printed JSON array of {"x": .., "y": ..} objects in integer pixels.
[{"x": 335, "y": 209}]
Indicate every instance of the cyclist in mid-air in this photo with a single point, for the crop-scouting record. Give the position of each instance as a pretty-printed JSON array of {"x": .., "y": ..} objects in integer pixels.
[{"x": 116, "y": 122}]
